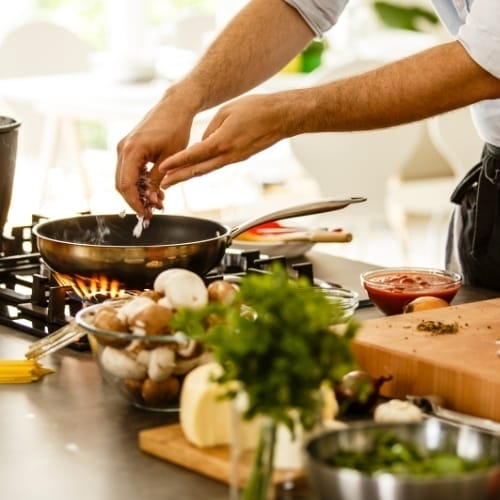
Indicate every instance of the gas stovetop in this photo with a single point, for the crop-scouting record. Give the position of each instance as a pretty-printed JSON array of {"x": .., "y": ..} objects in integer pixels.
[{"x": 33, "y": 302}]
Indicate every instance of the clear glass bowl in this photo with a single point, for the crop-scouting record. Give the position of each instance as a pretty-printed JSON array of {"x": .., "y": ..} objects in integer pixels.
[
  {"x": 391, "y": 289},
  {"x": 146, "y": 370},
  {"x": 348, "y": 301}
]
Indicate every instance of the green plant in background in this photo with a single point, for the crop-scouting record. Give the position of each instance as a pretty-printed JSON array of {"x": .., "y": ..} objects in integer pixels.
[
  {"x": 309, "y": 59},
  {"x": 403, "y": 17},
  {"x": 87, "y": 17},
  {"x": 93, "y": 135},
  {"x": 312, "y": 55}
]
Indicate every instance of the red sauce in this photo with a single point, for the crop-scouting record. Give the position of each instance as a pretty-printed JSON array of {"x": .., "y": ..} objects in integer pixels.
[{"x": 392, "y": 291}]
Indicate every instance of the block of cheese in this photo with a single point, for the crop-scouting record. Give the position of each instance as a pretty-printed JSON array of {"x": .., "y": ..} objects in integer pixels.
[{"x": 205, "y": 419}]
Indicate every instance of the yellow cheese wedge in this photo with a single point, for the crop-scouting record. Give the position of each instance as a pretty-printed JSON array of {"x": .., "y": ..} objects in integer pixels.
[{"x": 205, "y": 419}]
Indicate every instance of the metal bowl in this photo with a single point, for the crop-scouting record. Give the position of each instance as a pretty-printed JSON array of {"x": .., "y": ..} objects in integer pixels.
[
  {"x": 392, "y": 288},
  {"x": 338, "y": 483}
]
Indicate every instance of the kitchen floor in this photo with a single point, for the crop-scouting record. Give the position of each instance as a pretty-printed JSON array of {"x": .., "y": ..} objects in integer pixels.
[{"x": 258, "y": 186}]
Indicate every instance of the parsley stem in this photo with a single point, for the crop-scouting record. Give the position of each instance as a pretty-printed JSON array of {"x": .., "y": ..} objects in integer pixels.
[{"x": 260, "y": 480}]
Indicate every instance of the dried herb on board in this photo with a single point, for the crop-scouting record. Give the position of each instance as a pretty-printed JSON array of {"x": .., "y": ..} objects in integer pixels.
[{"x": 438, "y": 327}]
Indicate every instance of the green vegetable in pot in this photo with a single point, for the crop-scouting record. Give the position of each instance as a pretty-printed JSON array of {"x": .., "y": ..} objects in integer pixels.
[{"x": 397, "y": 456}]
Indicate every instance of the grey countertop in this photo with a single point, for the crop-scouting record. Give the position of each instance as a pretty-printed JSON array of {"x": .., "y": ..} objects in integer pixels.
[{"x": 69, "y": 437}]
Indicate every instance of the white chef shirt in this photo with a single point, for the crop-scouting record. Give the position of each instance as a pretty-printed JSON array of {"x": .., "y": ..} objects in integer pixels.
[{"x": 475, "y": 23}]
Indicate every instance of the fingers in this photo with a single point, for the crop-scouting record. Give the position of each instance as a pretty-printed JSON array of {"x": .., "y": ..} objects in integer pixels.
[
  {"x": 196, "y": 160},
  {"x": 126, "y": 177},
  {"x": 130, "y": 167}
]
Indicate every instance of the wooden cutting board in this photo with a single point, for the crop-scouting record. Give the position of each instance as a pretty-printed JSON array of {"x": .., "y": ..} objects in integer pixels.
[
  {"x": 463, "y": 368},
  {"x": 168, "y": 443}
]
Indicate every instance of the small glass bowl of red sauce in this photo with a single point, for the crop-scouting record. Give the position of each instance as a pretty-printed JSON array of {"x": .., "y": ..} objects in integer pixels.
[{"x": 391, "y": 289}]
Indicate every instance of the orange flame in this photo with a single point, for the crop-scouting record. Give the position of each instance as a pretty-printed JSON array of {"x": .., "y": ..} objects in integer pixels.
[{"x": 88, "y": 288}]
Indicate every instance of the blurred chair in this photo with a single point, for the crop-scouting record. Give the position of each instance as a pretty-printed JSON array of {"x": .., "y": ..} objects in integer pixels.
[
  {"x": 357, "y": 163},
  {"x": 44, "y": 48},
  {"x": 453, "y": 135}
]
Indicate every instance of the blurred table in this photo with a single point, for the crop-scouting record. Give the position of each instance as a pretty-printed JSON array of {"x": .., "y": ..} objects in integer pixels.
[{"x": 64, "y": 100}]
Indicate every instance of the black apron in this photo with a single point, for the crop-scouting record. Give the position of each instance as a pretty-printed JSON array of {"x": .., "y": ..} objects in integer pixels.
[{"x": 473, "y": 246}]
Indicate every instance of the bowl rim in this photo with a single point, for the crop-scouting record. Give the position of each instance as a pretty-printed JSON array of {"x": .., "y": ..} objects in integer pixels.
[
  {"x": 83, "y": 319},
  {"x": 402, "y": 478},
  {"x": 455, "y": 277},
  {"x": 346, "y": 297}
]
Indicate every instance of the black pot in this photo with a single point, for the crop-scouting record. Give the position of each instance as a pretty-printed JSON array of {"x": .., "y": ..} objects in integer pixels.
[{"x": 8, "y": 151}]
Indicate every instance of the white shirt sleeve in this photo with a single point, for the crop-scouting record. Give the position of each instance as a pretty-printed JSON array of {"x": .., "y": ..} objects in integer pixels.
[
  {"x": 480, "y": 35},
  {"x": 320, "y": 15}
]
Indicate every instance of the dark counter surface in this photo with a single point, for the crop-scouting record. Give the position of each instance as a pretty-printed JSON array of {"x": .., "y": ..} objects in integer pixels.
[{"x": 67, "y": 437}]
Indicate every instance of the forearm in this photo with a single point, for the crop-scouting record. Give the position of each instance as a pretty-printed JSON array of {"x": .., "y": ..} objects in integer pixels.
[
  {"x": 255, "y": 45},
  {"x": 429, "y": 83}
]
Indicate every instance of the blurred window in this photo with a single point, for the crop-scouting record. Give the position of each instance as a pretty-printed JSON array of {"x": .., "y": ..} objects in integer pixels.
[{"x": 92, "y": 19}]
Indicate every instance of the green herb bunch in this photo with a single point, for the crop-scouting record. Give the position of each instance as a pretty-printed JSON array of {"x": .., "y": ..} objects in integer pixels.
[{"x": 282, "y": 349}]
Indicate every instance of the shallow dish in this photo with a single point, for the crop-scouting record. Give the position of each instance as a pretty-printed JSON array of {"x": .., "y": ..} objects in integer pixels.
[
  {"x": 391, "y": 289},
  {"x": 459, "y": 443},
  {"x": 289, "y": 249}
]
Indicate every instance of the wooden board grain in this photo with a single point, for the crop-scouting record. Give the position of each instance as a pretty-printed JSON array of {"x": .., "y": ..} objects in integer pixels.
[
  {"x": 463, "y": 368},
  {"x": 168, "y": 443}
]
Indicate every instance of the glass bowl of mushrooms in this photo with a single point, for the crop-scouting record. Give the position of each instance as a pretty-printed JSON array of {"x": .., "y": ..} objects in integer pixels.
[{"x": 138, "y": 352}]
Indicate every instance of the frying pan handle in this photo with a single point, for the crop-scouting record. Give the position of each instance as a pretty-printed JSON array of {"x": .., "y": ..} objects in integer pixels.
[{"x": 315, "y": 207}]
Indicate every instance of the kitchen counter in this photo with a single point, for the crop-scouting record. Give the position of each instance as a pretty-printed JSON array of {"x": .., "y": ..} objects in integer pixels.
[{"x": 69, "y": 437}]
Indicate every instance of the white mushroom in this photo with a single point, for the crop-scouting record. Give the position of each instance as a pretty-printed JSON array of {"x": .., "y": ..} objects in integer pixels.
[
  {"x": 189, "y": 349},
  {"x": 397, "y": 410},
  {"x": 165, "y": 302},
  {"x": 153, "y": 319},
  {"x": 182, "y": 287},
  {"x": 143, "y": 357},
  {"x": 160, "y": 393},
  {"x": 121, "y": 364},
  {"x": 222, "y": 291},
  {"x": 182, "y": 366},
  {"x": 161, "y": 363},
  {"x": 164, "y": 278},
  {"x": 133, "y": 307}
]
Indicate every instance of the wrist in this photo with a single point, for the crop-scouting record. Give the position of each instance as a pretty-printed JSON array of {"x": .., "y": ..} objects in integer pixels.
[
  {"x": 300, "y": 111},
  {"x": 185, "y": 97}
]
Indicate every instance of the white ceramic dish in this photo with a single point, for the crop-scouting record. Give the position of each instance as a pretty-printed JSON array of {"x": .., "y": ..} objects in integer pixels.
[{"x": 289, "y": 249}]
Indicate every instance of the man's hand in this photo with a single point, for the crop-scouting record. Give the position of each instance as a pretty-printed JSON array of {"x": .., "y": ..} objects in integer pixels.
[
  {"x": 255, "y": 45},
  {"x": 238, "y": 130},
  {"x": 161, "y": 133}
]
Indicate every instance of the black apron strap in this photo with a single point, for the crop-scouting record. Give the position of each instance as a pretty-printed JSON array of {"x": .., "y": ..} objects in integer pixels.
[
  {"x": 486, "y": 201},
  {"x": 474, "y": 233}
]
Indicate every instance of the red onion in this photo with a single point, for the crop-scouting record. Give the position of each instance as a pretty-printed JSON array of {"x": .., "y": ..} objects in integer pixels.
[{"x": 358, "y": 392}]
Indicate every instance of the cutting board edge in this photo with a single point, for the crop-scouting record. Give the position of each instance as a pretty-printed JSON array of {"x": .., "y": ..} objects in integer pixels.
[
  {"x": 215, "y": 461},
  {"x": 407, "y": 382}
]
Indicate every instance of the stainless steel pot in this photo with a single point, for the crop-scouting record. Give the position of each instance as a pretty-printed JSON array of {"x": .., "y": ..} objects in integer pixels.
[
  {"x": 8, "y": 151},
  {"x": 95, "y": 245},
  {"x": 331, "y": 482}
]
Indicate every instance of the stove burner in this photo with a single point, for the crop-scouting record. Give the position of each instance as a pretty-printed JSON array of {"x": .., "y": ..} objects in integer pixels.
[{"x": 33, "y": 302}]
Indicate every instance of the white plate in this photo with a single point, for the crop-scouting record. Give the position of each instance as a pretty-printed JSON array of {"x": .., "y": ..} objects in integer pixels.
[{"x": 289, "y": 249}]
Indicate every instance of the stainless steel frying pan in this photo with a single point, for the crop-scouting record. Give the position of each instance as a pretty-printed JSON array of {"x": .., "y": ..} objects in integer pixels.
[{"x": 96, "y": 245}]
